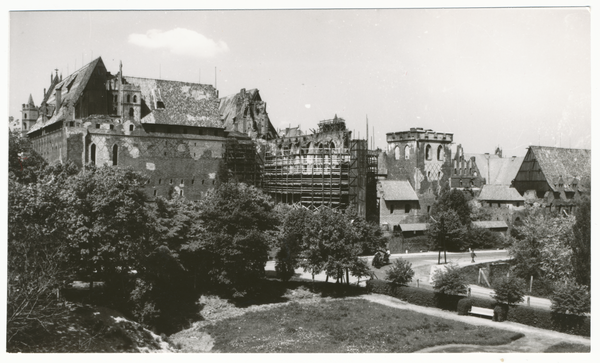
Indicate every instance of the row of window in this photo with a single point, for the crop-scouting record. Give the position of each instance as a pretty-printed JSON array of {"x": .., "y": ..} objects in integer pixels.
[
  {"x": 428, "y": 153},
  {"x": 193, "y": 181},
  {"x": 116, "y": 98}
]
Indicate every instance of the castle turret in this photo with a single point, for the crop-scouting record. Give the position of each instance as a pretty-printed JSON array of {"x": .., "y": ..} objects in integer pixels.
[{"x": 29, "y": 114}]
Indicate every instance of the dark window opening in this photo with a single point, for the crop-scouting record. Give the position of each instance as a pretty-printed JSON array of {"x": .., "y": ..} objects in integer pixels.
[
  {"x": 391, "y": 208},
  {"x": 171, "y": 181},
  {"x": 115, "y": 154},
  {"x": 181, "y": 181},
  {"x": 128, "y": 98},
  {"x": 407, "y": 208},
  {"x": 192, "y": 181},
  {"x": 112, "y": 127},
  {"x": 160, "y": 104},
  {"x": 202, "y": 181},
  {"x": 134, "y": 99},
  {"x": 159, "y": 181},
  {"x": 93, "y": 154},
  {"x": 130, "y": 127},
  {"x": 131, "y": 112},
  {"x": 155, "y": 192},
  {"x": 97, "y": 126}
]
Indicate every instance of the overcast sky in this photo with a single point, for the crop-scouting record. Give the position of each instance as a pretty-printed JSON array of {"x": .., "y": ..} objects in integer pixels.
[{"x": 493, "y": 77}]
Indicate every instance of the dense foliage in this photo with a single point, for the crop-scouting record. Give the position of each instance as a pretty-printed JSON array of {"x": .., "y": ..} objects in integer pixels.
[
  {"x": 509, "y": 290},
  {"x": 571, "y": 298},
  {"x": 400, "y": 272},
  {"x": 581, "y": 243},
  {"x": 449, "y": 281},
  {"x": 327, "y": 241},
  {"x": 450, "y": 221}
]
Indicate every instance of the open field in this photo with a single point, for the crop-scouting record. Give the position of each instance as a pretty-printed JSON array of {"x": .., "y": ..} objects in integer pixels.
[{"x": 342, "y": 326}]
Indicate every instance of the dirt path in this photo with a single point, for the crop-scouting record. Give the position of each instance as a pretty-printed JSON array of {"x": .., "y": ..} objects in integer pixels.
[{"x": 535, "y": 341}]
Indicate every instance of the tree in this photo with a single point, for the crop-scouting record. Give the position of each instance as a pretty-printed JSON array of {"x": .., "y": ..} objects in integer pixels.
[
  {"x": 109, "y": 228},
  {"x": 24, "y": 164},
  {"x": 238, "y": 226},
  {"x": 333, "y": 242},
  {"x": 509, "y": 290},
  {"x": 290, "y": 241},
  {"x": 449, "y": 281},
  {"x": 447, "y": 232},
  {"x": 450, "y": 221},
  {"x": 542, "y": 249},
  {"x": 581, "y": 243},
  {"x": 571, "y": 298},
  {"x": 400, "y": 272}
]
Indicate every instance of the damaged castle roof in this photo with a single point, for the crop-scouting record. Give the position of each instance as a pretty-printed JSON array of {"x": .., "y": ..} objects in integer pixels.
[
  {"x": 178, "y": 103},
  {"x": 397, "y": 190},
  {"x": 562, "y": 165},
  {"x": 499, "y": 192},
  {"x": 233, "y": 105},
  {"x": 71, "y": 88}
]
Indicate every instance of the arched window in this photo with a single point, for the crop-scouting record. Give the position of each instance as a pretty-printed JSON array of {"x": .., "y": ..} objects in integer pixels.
[
  {"x": 406, "y": 152},
  {"x": 440, "y": 153},
  {"x": 428, "y": 152},
  {"x": 115, "y": 154},
  {"x": 93, "y": 154},
  {"x": 134, "y": 99},
  {"x": 130, "y": 127},
  {"x": 397, "y": 153}
]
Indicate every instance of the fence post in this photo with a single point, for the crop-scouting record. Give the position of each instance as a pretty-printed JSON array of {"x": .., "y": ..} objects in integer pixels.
[
  {"x": 531, "y": 284},
  {"x": 528, "y": 301},
  {"x": 417, "y": 282}
]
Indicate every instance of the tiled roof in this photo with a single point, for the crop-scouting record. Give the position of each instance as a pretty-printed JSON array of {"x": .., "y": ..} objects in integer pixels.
[
  {"x": 71, "y": 89},
  {"x": 562, "y": 163},
  {"x": 490, "y": 224},
  {"x": 500, "y": 193},
  {"x": 410, "y": 227},
  {"x": 190, "y": 104},
  {"x": 497, "y": 170},
  {"x": 397, "y": 190}
]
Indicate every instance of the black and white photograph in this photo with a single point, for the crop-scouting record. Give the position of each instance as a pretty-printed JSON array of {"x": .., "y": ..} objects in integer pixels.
[{"x": 326, "y": 179}]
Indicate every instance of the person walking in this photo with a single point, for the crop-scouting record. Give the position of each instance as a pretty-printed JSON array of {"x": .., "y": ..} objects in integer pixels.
[{"x": 473, "y": 255}]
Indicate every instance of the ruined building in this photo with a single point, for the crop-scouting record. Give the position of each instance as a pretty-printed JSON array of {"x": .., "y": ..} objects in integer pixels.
[
  {"x": 325, "y": 168},
  {"x": 171, "y": 131}
]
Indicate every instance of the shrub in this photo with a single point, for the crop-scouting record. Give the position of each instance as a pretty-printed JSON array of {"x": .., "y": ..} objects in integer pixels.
[
  {"x": 509, "y": 290},
  {"x": 500, "y": 313},
  {"x": 571, "y": 299},
  {"x": 464, "y": 306},
  {"x": 449, "y": 281},
  {"x": 400, "y": 272},
  {"x": 544, "y": 319}
]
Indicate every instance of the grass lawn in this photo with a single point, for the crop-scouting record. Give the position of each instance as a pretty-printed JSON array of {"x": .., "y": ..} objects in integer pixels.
[
  {"x": 568, "y": 348},
  {"x": 344, "y": 326}
]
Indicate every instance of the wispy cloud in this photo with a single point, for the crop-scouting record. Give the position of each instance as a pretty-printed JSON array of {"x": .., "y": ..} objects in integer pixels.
[{"x": 179, "y": 41}]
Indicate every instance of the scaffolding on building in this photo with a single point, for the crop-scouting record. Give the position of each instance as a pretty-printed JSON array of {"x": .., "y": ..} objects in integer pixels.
[
  {"x": 315, "y": 177},
  {"x": 244, "y": 162}
]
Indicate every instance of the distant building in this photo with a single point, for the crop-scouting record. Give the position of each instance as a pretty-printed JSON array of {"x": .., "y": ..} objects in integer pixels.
[
  {"x": 474, "y": 170},
  {"x": 398, "y": 203},
  {"x": 554, "y": 177},
  {"x": 323, "y": 168},
  {"x": 171, "y": 131},
  {"x": 421, "y": 157}
]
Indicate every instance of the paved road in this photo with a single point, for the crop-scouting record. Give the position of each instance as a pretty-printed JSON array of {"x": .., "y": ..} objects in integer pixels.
[{"x": 424, "y": 262}]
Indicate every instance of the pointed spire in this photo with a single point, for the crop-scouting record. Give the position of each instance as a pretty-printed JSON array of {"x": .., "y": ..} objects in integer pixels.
[{"x": 30, "y": 101}]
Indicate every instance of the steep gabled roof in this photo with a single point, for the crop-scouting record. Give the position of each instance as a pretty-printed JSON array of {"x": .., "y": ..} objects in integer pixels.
[
  {"x": 397, "y": 190},
  {"x": 500, "y": 193},
  {"x": 178, "y": 103},
  {"x": 497, "y": 170},
  {"x": 71, "y": 89},
  {"x": 563, "y": 165}
]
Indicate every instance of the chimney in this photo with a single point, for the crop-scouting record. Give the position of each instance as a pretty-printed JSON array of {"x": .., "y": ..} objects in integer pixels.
[{"x": 58, "y": 99}]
